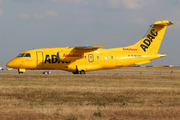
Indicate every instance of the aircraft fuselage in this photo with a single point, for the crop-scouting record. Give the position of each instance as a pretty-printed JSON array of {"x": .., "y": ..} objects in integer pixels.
[
  {"x": 88, "y": 58},
  {"x": 100, "y": 59}
]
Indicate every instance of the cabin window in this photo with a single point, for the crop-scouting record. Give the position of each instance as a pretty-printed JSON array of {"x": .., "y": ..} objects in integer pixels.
[
  {"x": 111, "y": 57},
  {"x": 84, "y": 57},
  {"x": 90, "y": 57},
  {"x": 97, "y": 57},
  {"x": 27, "y": 55},
  {"x": 20, "y": 55},
  {"x": 106, "y": 57}
]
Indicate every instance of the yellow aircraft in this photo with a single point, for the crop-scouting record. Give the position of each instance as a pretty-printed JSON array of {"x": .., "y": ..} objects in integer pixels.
[{"x": 78, "y": 60}]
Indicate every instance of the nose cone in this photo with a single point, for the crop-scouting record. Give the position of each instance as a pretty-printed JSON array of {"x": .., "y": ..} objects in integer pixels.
[
  {"x": 9, "y": 64},
  {"x": 12, "y": 64}
]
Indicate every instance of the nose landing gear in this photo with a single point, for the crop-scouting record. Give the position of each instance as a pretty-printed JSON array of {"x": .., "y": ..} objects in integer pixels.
[{"x": 21, "y": 71}]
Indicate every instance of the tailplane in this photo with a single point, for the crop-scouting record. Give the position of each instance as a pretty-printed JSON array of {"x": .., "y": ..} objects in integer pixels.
[{"x": 152, "y": 41}]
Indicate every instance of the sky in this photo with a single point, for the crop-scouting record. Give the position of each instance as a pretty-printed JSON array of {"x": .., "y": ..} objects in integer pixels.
[{"x": 28, "y": 24}]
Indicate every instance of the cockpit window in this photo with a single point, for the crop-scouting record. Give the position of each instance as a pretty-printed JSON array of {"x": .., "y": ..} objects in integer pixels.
[
  {"x": 24, "y": 55},
  {"x": 20, "y": 55},
  {"x": 27, "y": 55}
]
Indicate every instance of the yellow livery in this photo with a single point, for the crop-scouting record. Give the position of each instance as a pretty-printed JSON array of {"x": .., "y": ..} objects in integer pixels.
[{"x": 78, "y": 60}]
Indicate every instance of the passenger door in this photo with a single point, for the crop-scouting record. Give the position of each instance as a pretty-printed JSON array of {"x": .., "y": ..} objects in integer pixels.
[
  {"x": 91, "y": 58},
  {"x": 39, "y": 58}
]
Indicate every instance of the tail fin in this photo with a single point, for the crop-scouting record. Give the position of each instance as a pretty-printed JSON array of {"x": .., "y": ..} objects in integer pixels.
[{"x": 152, "y": 41}]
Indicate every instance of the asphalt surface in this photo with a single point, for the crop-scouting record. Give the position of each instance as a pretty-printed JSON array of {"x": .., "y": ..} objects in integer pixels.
[{"x": 98, "y": 71}]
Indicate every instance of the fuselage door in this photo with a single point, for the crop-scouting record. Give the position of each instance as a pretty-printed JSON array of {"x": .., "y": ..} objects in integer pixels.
[
  {"x": 39, "y": 58},
  {"x": 120, "y": 60},
  {"x": 91, "y": 58}
]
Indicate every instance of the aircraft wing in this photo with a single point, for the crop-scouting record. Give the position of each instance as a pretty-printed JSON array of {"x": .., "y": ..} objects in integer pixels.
[
  {"x": 74, "y": 53},
  {"x": 87, "y": 48}
]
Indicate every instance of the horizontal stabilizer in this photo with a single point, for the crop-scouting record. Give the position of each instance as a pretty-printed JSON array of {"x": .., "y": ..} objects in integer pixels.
[{"x": 163, "y": 22}]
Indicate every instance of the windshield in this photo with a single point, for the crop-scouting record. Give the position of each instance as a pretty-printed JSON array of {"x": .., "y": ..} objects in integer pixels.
[
  {"x": 24, "y": 55},
  {"x": 20, "y": 55},
  {"x": 27, "y": 55}
]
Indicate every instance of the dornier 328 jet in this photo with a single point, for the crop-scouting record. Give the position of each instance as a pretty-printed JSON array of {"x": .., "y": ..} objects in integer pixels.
[{"x": 78, "y": 60}]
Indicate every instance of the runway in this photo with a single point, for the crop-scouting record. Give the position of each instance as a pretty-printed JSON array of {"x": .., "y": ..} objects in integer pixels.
[{"x": 126, "y": 70}]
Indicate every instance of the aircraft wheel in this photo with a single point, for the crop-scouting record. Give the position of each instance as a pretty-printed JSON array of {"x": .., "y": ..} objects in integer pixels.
[
  {"x": 77, "y": 72},
  {"x": 20, "y": 72},
  {"x": 82, "y": 72}
]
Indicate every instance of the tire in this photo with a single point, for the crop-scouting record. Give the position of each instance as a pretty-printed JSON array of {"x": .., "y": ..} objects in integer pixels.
[
  {"x": 77, "y": 72},
  {"x": 74, "y": 72},
  {"x": 82, "y": 72}
]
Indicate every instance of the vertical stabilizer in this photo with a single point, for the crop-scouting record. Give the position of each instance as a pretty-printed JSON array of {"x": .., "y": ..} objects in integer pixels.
[{"x": 152, "y": 41}]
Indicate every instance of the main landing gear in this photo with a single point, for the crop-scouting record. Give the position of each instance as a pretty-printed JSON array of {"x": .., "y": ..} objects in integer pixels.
[{"x": 80, "y": 72}]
